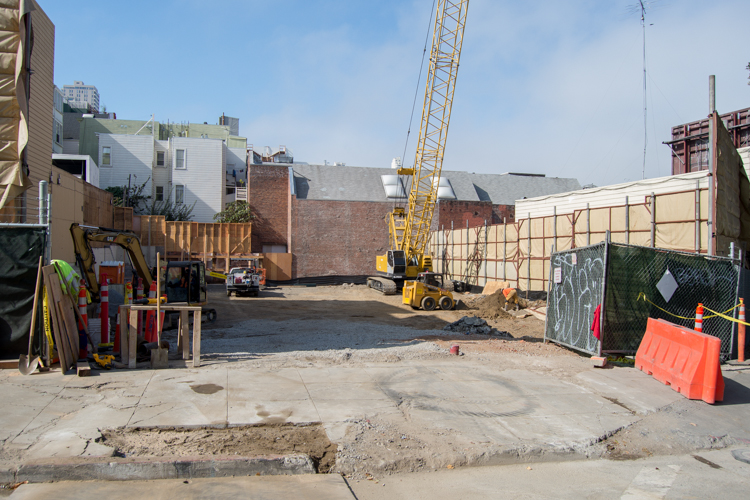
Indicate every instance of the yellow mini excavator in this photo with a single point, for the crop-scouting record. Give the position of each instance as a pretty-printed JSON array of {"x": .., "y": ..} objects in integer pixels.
[{"x": 184, "y": 282}]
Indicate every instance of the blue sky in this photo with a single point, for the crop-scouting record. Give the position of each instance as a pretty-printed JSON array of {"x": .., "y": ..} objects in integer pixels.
[{"x": 550, "y": 87}]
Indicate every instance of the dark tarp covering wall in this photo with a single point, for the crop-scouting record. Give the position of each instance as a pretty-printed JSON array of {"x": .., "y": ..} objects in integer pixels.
[{"x": 20, "y": 249}]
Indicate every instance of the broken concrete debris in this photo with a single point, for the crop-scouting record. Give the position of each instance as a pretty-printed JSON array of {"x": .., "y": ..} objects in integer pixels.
[{"x": 472, "y": 325}]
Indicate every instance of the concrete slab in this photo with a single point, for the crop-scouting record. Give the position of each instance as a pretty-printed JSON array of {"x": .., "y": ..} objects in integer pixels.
[
  {"x": 509, "y": 409},
  {"x": 334, "y": 374},
  {"x": 184, "y": 398},
  {"x": 630, "y": 387},
  {"x": 309, "y": 487},
  {"x": 258, "y": 411},
  {"x": 281, "y": 385},
  {"x": 337, "y": 410},
  {"x": 345, "y": 391}
]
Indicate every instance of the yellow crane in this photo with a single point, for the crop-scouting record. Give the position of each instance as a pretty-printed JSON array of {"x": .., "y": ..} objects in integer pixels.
[{"x": 409, "y": 227}]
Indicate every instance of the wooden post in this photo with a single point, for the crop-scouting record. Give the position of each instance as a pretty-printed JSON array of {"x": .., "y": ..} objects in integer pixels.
[
  {"x": 158, "y": 299},
  {"x": 697, "y": 216},
  {"x": 132, "y": 337},
  {"x": 653, "y": 220},
  {"x": 505, "y": 245},
  {"x": 627, "y": 220},
  {"x": 124, "y": 334},
  {"x": 197, "y": 338},
  {"x": 184, "y": 332},
  {"x": 528, "y": 262}
]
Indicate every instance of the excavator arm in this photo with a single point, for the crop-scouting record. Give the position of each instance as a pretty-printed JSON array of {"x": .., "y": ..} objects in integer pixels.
[{"x": 82, "y": 238}]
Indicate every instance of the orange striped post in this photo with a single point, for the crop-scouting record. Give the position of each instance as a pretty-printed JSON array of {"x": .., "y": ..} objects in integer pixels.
[
  {"x": 699, "y": 318},
  {"x": 83, "y": 350},
  {"x": 741, "y": 333},
  {"x": 104, "y": 311},
  {"x": 139, "y": 296},
  {"x": 150, "y": 334}
]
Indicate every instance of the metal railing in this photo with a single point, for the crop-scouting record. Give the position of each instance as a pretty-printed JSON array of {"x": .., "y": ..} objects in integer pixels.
[{"x": 28, "y": 211}]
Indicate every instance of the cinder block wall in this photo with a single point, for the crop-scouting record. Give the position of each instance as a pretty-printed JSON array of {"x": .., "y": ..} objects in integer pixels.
[
  {"x": 338, "y": 237},
  {"x": 268, "y": 195}
]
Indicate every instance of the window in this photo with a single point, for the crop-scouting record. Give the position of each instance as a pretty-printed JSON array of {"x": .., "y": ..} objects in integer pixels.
[
  {"x": 179, "y": 194},
  {"x": 160, "y": 158},
  {"x": 159, "y": 193},
  {"x": 179, "y": 160},
  {"x": 106, "y": 156}
]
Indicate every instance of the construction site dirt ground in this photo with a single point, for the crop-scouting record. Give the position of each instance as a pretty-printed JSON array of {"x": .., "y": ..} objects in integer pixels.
[{"x": 367, "y": 387}]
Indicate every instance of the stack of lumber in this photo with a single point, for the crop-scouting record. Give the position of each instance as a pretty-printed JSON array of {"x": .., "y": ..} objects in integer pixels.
[{"x": 63, "y": 317}]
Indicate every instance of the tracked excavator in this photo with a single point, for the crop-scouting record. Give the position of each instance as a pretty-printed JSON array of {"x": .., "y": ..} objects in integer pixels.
[
  {"x": 407, "y": 266},
  {"x": 184, "y": 282}
]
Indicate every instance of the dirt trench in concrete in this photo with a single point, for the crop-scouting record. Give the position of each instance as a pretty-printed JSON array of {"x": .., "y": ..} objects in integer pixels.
[{"x": 244, "y": 441}]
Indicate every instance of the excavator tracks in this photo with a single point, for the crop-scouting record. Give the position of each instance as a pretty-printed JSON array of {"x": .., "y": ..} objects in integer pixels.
[{"x": 383, "y": 285}]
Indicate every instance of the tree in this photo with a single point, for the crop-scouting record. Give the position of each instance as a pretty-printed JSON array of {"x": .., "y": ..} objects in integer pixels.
[
  {"x": 171, "y": 211},
  {"x": 124, "y": 196},
  {"x": 236, "y": 211},
  {"x": 748, "y": 78}
]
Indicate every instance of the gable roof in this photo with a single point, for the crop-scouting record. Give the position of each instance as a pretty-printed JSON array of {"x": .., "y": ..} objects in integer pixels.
[{"x": 329, "y": 182}]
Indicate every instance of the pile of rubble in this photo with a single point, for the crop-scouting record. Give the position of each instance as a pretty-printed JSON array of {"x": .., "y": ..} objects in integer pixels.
[{"x": 471, "y": 325}]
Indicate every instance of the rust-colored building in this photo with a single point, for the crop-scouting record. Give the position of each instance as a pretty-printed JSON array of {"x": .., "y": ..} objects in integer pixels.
[{"x": 690, "y": 142}]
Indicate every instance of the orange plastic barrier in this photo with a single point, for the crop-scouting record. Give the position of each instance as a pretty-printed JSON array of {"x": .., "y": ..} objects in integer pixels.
[{"x": 682, "y": 358}]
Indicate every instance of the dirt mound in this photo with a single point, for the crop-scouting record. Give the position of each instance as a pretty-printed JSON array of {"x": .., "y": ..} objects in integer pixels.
[{"x": 491, "y": 306}]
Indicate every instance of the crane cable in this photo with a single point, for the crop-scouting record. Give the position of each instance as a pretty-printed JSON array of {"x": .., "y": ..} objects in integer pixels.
[{"x": 416, "y": 93}]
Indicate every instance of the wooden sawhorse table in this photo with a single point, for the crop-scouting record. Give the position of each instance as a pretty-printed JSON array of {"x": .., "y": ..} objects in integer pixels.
[{"x": 129, "y": 330}]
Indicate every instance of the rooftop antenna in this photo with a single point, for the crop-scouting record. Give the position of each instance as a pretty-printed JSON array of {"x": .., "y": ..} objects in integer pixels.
[
  {"x": 645, "y": 106},
  {"x": 641, "y": 7}
]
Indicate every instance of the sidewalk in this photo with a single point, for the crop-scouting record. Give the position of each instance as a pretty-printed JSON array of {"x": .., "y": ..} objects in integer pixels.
[{"x": 495, "y": 415}]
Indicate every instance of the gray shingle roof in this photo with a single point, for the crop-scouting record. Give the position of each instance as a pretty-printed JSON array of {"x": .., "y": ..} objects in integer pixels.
[{"x": 327, "y": 182}]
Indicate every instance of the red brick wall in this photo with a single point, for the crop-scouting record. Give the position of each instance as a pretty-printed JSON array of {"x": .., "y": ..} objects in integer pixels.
[
  {"x": 500, "y": 211},
  {"x": 458, "y": 212},
  {"x": 337, "y": 237},
  {"x": 268, "y": 195}
]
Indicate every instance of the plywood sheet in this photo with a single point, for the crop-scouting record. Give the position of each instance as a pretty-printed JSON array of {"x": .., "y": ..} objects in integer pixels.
[
  {"x": 278, "y": 266},
  {"x": 675, "y": 207},
  {"x": 618, "y": 219},
  {"x": 564, "y": 225},
  {"x": 63, "y": 319},
  {"x": 537, "y": 227},
  {"x": 564, "y": 243},
  {"x": 640, "y": 217},
  {"x": 678, "y": 236}
]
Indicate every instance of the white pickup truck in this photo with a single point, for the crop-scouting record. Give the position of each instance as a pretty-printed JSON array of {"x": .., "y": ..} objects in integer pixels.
[{"x": 243, "y": 280}]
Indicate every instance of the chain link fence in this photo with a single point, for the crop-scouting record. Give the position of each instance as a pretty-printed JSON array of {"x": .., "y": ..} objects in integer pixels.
[
  {"x": 638, "y": 283},
  {"x": 576, "y": 286}
]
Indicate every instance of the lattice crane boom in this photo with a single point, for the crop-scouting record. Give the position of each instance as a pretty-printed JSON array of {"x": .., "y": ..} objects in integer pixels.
[
  {"x": 447, "y": 39},
  {"x": 409, "y": 228}
]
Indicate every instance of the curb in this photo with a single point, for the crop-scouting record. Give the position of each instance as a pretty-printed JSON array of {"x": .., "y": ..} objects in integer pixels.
[
  {"x": 126, "y": 469},
  {"x": 7, "y": 475}
]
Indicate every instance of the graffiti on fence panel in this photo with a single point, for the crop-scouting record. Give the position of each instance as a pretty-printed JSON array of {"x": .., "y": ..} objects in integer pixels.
[{"x": 572, "y": 302}]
